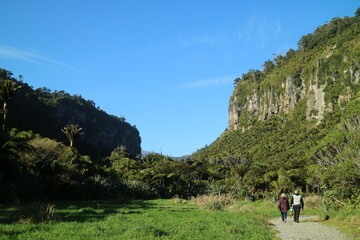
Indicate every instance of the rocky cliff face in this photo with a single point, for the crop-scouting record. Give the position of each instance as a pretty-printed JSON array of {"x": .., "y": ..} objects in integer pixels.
[
  {"x": 101, "y": 131},
  {"x": 323, "y": 84},
  {"x": 47, "y": 112}
]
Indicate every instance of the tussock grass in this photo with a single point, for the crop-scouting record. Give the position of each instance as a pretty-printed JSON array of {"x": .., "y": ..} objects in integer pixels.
[
  {"x": 213, "y": 202},
  {"x": 314, "y": 201},
  {"x": 177, "y": 199}
]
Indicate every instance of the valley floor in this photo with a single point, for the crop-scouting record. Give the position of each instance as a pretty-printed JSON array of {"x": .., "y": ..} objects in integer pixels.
[{"x": 155, "y": 219}]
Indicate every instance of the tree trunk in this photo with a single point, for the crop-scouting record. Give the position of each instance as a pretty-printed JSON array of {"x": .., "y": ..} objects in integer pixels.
[{"x": 4, "y": 112}]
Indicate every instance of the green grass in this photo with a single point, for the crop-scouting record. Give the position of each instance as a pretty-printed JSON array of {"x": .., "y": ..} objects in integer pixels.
[{"x": 155, "y": 219}]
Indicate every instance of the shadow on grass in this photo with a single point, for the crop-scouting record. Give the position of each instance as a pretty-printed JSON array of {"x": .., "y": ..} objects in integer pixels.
[
  {"x": 72, "y": 211},
  {"x": 173, "y": 209},
  {"x": 12, "y": 234}
]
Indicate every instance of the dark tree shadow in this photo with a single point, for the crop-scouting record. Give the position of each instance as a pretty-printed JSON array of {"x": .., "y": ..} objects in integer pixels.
[{"x": 73, "y": 211}]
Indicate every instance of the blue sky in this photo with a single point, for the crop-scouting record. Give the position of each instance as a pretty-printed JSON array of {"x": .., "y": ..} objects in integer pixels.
[{"x": 166, "y": 66}]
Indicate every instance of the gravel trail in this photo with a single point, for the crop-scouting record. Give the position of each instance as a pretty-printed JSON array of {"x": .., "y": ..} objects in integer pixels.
[{"x": 306, "y": 229}]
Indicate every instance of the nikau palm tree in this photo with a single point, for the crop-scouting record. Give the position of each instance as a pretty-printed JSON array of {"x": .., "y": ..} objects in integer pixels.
[
  {"x": 72, "y": 132},
  {"x": 7, "y": 89}
]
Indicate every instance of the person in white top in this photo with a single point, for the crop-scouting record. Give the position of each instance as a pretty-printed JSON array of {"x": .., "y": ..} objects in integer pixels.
[{"x": 298, "y": 203}]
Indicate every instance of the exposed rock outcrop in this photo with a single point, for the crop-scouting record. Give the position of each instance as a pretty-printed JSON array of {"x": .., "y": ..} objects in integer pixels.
[{"x": 263, "y": 102}]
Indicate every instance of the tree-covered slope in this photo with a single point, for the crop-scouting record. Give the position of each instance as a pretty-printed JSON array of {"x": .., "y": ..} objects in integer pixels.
[
  {"x": 46, "y": 112},
  {"x": 296, "y": 123}
]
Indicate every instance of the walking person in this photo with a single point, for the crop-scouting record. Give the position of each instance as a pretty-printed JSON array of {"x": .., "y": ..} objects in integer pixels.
[
  {"x": 283, "y": 207},
  {"x": 298, "y": 203}
]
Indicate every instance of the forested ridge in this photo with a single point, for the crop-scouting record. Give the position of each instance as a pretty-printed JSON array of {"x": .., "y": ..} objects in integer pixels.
[{"x": 293, "y": 124}]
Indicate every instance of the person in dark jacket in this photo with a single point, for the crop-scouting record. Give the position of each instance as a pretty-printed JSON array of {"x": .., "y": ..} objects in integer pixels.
[
  {"x": 298, "y": 203},
  {"x": 283, "y": 206}
]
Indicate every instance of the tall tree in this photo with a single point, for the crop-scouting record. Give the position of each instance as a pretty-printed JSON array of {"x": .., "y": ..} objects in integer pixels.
[
  {"x": 268, "y": 66},
  {"x": 7, "y": 89},
  {"x": 357, "y": 13},
  {"x": 72, "y": 132}
]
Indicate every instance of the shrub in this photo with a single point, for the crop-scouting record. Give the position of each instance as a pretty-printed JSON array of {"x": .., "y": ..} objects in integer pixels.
[
  {"x": 217, "y": 189},
  {"x": 137, "y": 189}
]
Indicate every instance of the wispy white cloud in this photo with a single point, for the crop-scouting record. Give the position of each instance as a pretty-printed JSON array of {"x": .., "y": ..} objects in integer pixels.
[
  {"x": 9, "y": 52},
  {"x": 258, "y": 32},
  {"x": 277, "y": 27},
  {"x": 255, "y": 31},
  {"x": 206, "y": 38},
  {"x": 210, "y": 82}
]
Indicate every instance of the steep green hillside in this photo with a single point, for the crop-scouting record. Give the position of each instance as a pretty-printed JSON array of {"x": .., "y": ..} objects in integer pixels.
[
  {"x": 46, "y": 112},
  {"x": 296, "y": 123}
]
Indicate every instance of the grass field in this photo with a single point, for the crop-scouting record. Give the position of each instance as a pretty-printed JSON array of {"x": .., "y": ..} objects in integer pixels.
[{"x": 154, "y": 219}]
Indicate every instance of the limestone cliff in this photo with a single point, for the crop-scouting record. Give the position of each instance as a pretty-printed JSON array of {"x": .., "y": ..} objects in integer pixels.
[
  {"x": 47, "y": 112},
  {"x": 317, "y": 80}
]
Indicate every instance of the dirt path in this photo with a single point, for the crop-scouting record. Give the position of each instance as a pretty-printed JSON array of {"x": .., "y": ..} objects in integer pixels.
[{"x": 306, "y": 229}]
